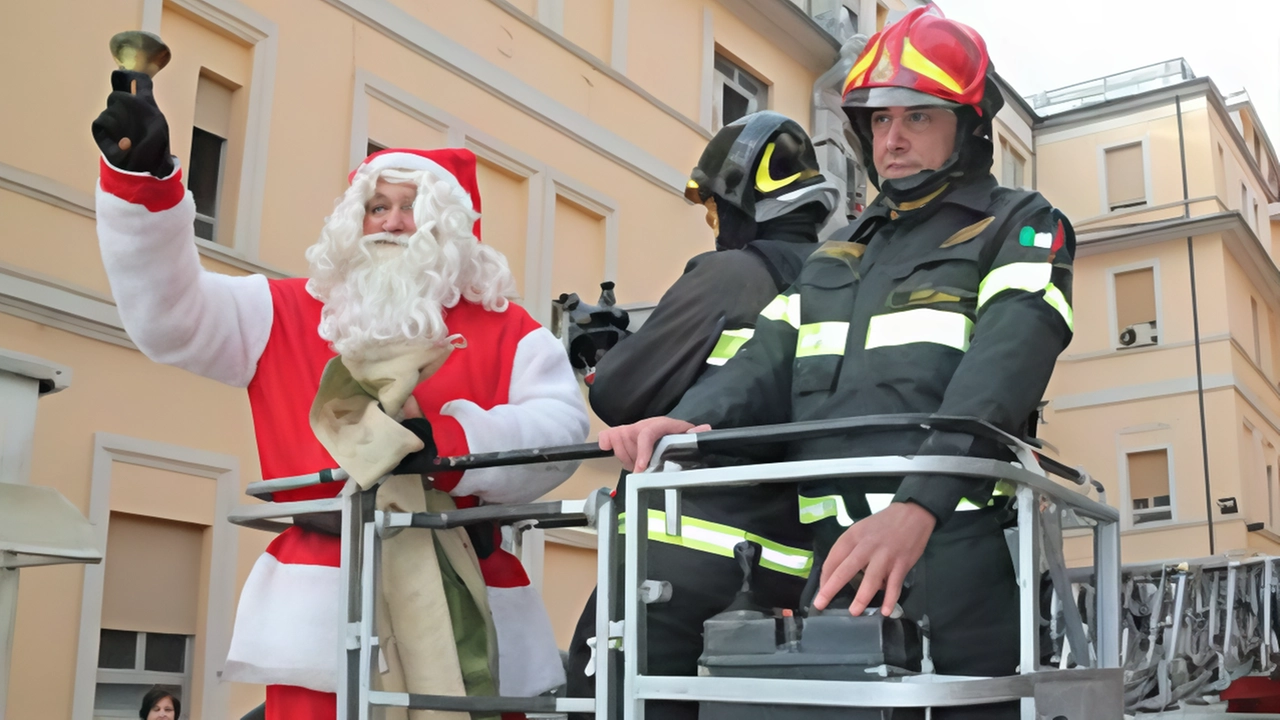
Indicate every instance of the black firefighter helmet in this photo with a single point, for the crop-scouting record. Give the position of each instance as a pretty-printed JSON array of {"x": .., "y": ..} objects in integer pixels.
[{"x": 764, "y": 165}]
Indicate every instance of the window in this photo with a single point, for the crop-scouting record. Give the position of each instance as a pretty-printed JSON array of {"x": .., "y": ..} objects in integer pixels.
[
  {"x": 737, "y": 93},
  {"x": 373, "y": 147},
  {"x": 1135, "y": 293},
  {"x": 1257, "y": 332},
  {"x": 208, "y": 153},
  {"x": 1125, "y": 177},
  {"x": 1254, "y": 217},
  {"x": 1012, "y": 165},
  {"x": 130, "y": 663},
  {"x": 1244, "y": 198},
  {"x": 1149, "y": 485},
  {"x": 147, "y": 636}
]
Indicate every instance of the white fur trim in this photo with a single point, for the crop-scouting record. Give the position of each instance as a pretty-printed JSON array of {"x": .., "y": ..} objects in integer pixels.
[
  {"x": 528, "y": 660},
  {"x": 176, "y": 312},
  {"x": 410, "y": 161},
  {"x": 287, "y": 624},
  {"x": 544, "y": 408}
]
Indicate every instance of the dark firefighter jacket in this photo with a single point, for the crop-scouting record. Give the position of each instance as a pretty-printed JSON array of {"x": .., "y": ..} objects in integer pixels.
[
  {"x": 699, "y": 323},
  {"x": 956, "y": 307}
]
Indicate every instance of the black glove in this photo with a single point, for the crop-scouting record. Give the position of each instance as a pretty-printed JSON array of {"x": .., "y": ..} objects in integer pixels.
[
  {"x": 135, "y": 116},
  {"x": 416, "y": 463}
]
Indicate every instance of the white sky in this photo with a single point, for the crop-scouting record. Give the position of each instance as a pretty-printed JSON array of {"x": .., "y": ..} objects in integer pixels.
[{"x": 1046, "y": 44}]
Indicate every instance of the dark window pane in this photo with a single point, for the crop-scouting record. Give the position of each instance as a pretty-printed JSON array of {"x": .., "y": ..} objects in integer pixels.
[
  {"x": 204, "y": 229},
  {"x": 1162, "y": 501},
  {"x": 166, "y": 653},
  {"x": 118, "y": 649},
  {"x": 734, "y": 105},
  {"x": 1141, "y": 503},
  {"x": 205, "y": 170},
  {"x": 748, "y": 83},
  {"x": 373, "y": 147},
  {"x": 724, "y": 67}
]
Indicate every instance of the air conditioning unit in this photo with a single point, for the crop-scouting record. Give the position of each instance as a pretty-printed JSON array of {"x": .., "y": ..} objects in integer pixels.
[{"x": 1138, "y": 335}]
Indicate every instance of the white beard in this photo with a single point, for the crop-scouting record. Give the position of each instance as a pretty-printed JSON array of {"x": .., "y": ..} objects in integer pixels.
[
  {"x": 377, "y": 294},
  {"x": 386, "y": 299}
]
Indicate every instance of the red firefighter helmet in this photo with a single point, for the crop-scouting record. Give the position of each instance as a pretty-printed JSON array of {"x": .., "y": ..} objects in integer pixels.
[{"x": 923, "y": 59}]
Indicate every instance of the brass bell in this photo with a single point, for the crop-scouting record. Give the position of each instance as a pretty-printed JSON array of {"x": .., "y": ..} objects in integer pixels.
[{"x": 140, "y": 51}]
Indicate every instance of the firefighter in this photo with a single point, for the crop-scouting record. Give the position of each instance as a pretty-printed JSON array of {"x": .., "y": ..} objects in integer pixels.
[
  {"x": 765, "y": 200},
  {"x": 949, "y": 295}
]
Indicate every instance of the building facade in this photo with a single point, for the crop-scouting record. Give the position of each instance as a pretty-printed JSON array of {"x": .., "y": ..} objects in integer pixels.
[
  {"x": 1172, "y": 188},
  {"x": 586, "y": 116}
]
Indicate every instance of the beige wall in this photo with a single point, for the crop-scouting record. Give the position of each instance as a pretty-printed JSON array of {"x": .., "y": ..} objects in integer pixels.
[
  {"x": 1070, "y": 170},
  {"x": 580, "y": 174}
]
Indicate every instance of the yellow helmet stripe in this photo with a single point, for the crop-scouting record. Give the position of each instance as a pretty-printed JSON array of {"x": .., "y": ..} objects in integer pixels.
[
  {"x": 764, "y": 182},
  {"x": 861, "y": 67},
  {"x": 914, "y": 61}
]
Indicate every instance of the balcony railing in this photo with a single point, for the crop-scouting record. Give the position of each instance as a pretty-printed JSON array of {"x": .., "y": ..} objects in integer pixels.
[{"x": 1111, "y": 87}]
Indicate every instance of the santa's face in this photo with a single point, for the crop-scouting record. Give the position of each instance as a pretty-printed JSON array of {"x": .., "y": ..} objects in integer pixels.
[{"x": 390, "y": 211}]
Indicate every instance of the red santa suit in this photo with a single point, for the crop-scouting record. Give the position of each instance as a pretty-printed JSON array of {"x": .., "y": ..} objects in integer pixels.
[{"x": 511, "y": 387}]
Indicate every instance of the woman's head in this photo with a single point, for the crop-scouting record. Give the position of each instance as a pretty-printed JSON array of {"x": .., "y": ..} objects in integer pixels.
[{"x": 160, "y": 704}]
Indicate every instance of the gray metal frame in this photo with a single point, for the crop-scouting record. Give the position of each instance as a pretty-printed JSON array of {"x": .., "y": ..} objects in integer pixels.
[
  {"x": 1101, "y": 678},
  {"x": 1093, "y": 689}
]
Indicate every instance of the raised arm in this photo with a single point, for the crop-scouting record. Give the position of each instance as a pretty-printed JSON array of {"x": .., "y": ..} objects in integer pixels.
[{"x": 176, "y": 312}]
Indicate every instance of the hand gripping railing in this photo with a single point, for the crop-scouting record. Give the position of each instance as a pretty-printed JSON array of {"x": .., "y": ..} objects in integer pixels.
[
  {"x": 1090, "y": 691},
  {"x": 1095, "y": 648}
]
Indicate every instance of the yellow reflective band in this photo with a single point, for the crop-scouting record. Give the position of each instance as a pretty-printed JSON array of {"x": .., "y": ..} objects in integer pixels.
[
  {"x": 785, "y": 308},
  {"x": 1004, "y": 488},
  {"x": 814, "y": 509},
  {"x": 720, "y": 540},
  {"x": 1029, "y": 277},
  {"x": 862, "y": 65},
  {"x": 1058, "y": 301},
  {"x": 916, "y": 326},
  {"x": 914, "y": 61},
  {"x": 823, "y": 338},
  {"x": 764, "y": 181},
  {"x": 728, "y": 345}
]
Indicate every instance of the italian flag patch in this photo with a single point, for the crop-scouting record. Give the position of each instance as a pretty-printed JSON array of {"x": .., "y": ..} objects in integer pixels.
[
  {"x": 1028, "y": 237},
  {"x": 1052, "y": 242}
]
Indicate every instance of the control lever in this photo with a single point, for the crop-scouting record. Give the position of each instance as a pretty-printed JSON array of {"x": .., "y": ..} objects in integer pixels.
[{"x": 748, "y": 555}]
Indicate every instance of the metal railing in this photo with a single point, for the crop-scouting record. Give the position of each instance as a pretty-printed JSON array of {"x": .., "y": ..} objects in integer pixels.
[{"x": 1042, "y": 506}]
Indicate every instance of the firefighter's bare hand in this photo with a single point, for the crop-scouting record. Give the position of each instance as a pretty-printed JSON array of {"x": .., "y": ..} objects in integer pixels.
[
  {"x": 633, "y": 444},
  {"x": 884, "y": 547}
]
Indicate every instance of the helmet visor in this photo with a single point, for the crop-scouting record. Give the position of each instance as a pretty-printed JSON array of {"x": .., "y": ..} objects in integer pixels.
[{"x": 882, "y": 97}]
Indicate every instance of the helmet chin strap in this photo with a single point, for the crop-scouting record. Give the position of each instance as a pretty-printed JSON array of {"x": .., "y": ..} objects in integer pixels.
[{"x": 736, "y": 227}]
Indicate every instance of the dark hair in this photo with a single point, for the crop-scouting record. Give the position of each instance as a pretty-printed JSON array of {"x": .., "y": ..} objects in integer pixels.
[{"x": 158, "y": 693}]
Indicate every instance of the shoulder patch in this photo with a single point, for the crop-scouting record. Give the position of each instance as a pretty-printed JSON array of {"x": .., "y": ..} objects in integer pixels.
[
  {"x": 966, "y": 234},
  {"x": 841, "y": 249}
]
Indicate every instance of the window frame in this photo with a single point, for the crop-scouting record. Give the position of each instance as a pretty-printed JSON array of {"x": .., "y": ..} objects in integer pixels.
[
  {"x": 1126, "y": 494},
  {"x": 140, "y": 676},
  {"x": 755, "y": 103},
  {"x": 1149, "y": 194},
  {"x": 1113, "y": 320}
]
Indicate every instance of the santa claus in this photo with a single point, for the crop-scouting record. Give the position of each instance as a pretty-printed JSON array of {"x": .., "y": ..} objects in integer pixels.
[{"x": 398, "y": 263}]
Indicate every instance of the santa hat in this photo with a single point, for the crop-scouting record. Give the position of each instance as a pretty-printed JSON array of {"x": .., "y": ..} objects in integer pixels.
[{"x": 456, "y": 166}]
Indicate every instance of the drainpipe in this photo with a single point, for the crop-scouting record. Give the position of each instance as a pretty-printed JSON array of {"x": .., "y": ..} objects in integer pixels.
[
  {"x": 1195, "y": 328},
  {"x": 829, "y": 128}
]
